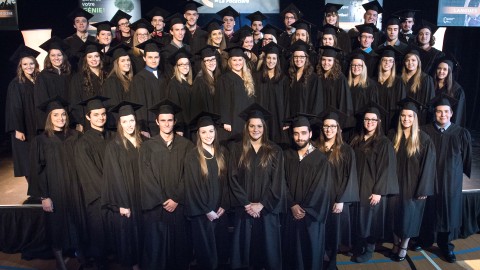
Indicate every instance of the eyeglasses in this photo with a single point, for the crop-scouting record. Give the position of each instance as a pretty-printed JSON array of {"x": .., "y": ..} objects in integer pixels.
[
  {"x": 124, "y": 24},
  {"x": 299, "y": 57},
  {"x": 289, "y": 17},
  {"x": 143, "y": 35},
  {"x": 388, "y": 61},
  {"x": 268, "y": 39},
  {"x": 183, "y": 65},
  {"x": 356, "y": 66},
  {"x": 366, "y": 120},
  {"x": 329, "y": 127},
  {"x": 210, "y": 60}
]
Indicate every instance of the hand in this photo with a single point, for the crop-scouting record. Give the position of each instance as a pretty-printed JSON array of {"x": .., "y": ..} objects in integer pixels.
[
  {"x": 145, "y": 134},
  {"x": 249, "y": 210},
  {"x": 374, "y": 199},
  {"x": 257, "y": 208},
  {"x": 422, "y": 197},
  {"x": 19, "y": 136},
  {"x": 125, "y": 212},
  {"x": 337, "y": 208},
  {"x": 47, "y": 205},
  {"x": 79, "y": 128},
  {"x": 227, "y": 127},
  {"x": 220, "y": 211},
  {"x": 297, "y": 211},
  {"x": 170, "y": 205},
  {"x": 286, "y": 127},
  {"x": 212, "y": 215},
  {"x": 179, "y": 133}
]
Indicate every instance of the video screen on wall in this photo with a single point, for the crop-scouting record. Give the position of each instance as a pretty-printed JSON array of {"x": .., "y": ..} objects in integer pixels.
[
  {"x": 352, "y": 12},
  {"x": 242, "y": 6},
  {"x": 459, "y": 13}
]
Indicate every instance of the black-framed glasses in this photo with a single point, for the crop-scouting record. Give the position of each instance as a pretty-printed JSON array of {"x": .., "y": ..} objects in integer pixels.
[
  {"x": 370, "y": 120},
  {"x": 326, "y": 127}
]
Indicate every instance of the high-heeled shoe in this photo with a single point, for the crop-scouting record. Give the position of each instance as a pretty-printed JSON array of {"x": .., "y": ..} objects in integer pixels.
[{"x": 399, "y": 258}]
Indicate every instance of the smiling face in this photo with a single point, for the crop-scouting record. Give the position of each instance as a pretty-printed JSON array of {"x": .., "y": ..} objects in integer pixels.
[
  {"x": 299, "y": 58},
  {"x": 255, "y": 129},
  {"x": 81, "y": 24},
  {"x": 442, "y": 71},
  {"x": 387, "y": 63},
  {"x": 356, "y": 67},
  {"x": 366, "y": 40},
  {"x": 210, "y": 63},
  {"x": 56, "y": 58},
  {"x": 370, "y": 122},
  {"x": 327, "y": 63},
  {"x": 411, "y": 63},
  {"x": 191, "y": 16},
  {"x": 128, "y": 124},
  {"x": 406, "y": 118},
  {"x": 124, "y": 63},
  {"x": 330, "y": 128},
  {"x": 124, "y": 26},
  {"x": 93, "y": 59},
  {"x": 58, "y": 118},
  {"x": 331, "y": 18},
  {"x": 28, "y": 65},
  {"x": 301, "y": 136},
  {"x": 104, "y": 37},
  {"x": 327, "y": 40},
  {"x": 248, "y": 43},
  {"x": 216, "y": 36},
  {"x": 301, "y": 34},
  {"x": 158, "y": 23},
  {"x": 272, "y": 60},
  {"x": 443, "y": 114},
  {"x": 97, "y": 118},
  {"x": 424, "y": 36},
  {"x": 165, "y": 122},
  {"x": 142, "y": 35},
  {"x": 183, "y": 66},
  {"x": 207, "y": 135},
  {"x": 152, "y": 59},
  {"x": 237, "y": 62},
  {"x": 370, "y": 16}
]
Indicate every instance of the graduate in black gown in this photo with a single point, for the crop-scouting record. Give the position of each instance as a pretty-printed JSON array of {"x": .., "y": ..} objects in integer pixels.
[
  {"x": 195, "y": 36},
  {"x": 418, "y": 84},
  {"x": 104, "y": 37},
  {"x": 117, "y": 85},
  {"x": 206, "y": 193},
  {"x": 289, "y": 15},
  {"x": 142, "y": 30},
  {"x": 331, "y": 18},
  {"x": 366, "y": 37},
  {"x": 228, "y": 16},
  {"x": 303, "y": 30},
  {"x": 148, "y": 87},
  {"x": 123, "y": 32},
  {"x": 234, "y": 91},
  {"x": 244, "y": 38},
  {"x": 335, "y": 85},
  {"x": 54, "y": 79},
  {"x": 20, "y": 115},
  {"x": 86, "y": 83},
  {"x": 377, "y": 178},
  {"x": 362, "y": 87},
  {"x": 80, "y": 18},
  {"x": 416, "y": 177},
  {"x": 216, "y": 38},
  {"x": 390, "y": 86},
  {"x": 271, "y": 87},
  {"x": 445, "y": 84},
  {"x": 177, "y": 32},
  {"x": 167, "y": 243},
  {"x": 157, "y": 17},
  {"x": 308, "y": 189},
  {"x": 428, "y": 54},
  {"x": 257, "y": 185},
  {"x": 203, "y": 90},
  {"x": 121, "y": 187},
  {"x": 453, "y": 146},
  {"x": 53, "y": 179},
  {"x": 305, "y": 93},
  {"x": 89, "y": 157},
  {"x": 344, "y": 188},
  {"x": 330, "y": 37},
  {"x": 179, "y": 89},
  {"x": 370, "y": 17}
]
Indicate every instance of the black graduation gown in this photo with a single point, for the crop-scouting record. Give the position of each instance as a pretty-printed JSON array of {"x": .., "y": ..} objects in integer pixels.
[
  {"x": 388, "y": 98},
  {"x": 406, "y": 38},
  {"x": 343, "y": 40},
  {"x": 453, "y": 148},
  {"x": 48, "y": 85},
  {"x": 78, "y": 93},
  {"x": 181, "y": 93},
  {"x": 353, "y": 34},
  {"x": 430, "y": 59},
  {"x": 416, "y": 177},
  {"x": 361, "y": 96},
  {"x": 337, "y": 94},
  {"x": 344, "y": 190},
  {"x": 256, "y": 241},
  {"x": 459, "y": 110},
  {"x": 306, "y": 97},
  {"x": 423, "y": 95},
  {"x": 113, "y": 89},
  {"x": 371, "y": 61},
  {"x": 163, "y": 39},
  {"x": 20, "y": 116},
  {"x": 376, "y": 168},
  {"x": 89, "y": 155},
  {"x": 147, "y": 90},
  {"x": 53, "y": 175},
  {"x": 121, "y": 188},
  {"x": 272, "y": 95},
  {"x": 230, "y": 99},
  {"x": 75, "y": 43},
  {"x": 196, "y": 42},
  {"x": 201, "y": 197},
  {"x": 309, "y": 184},
  {"x": 138, "y": 63},
  {"x": 285, "y": 40},
  {"x": 161, "y": 178},
  {"x": 165, "y": 65},
  {"x": 202, "y": 97}
]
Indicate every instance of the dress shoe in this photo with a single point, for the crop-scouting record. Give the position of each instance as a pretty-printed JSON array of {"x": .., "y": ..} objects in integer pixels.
[{"x": 450, "y": 256}]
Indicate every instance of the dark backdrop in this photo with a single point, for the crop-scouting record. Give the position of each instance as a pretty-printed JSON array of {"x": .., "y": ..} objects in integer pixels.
[{"x": 34, "y": 14}]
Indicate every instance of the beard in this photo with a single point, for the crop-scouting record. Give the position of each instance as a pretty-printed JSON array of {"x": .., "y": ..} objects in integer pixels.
[{"x": 301, "y": 144}]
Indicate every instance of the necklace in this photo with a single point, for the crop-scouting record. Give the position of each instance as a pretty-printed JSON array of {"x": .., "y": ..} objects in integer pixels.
[{"x": 207, "y": 157}]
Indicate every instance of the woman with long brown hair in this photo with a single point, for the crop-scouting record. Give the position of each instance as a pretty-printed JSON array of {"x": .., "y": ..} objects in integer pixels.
[
  {"x": 257, "y": 184},
  {"x": 121, "y": 187},
  {"x": 332, "y": 18},
  {"x": 20, "y": 113},
  {"x": 206, "y": 193}
]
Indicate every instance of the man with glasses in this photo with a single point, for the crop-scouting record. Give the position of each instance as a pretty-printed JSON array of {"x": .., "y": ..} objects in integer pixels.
[
  {"x": 366, "y": 39},
  {"x": 290, "y": 15}
]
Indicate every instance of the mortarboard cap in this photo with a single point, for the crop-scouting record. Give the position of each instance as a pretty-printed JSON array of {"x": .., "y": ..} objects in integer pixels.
[
  {"x": 79, "y": 12},
  {"x": 94, "y": 103},
  {"x": 125, "y": 108},
  {"x": 207, "y": 51},
  {"x": 334, "y": 114},
  {"x": 272, "y": 30},
  {"x": 329, "y": 51},
  {"x": 21, "y": 52},
  {"x": 256, "y": 16},
  {"x": 228, "y": 11},
  {"x": 409, "y": 103},
  {"x": 156, "y": 11},
  {"x": 300, "y": 120},
  {"x": 373, "y": 107},
  {"x": 389, "y": 51},
  {"x": 149, "y": 46},
  {"x": 190, "y": 5},
  {"x": 303, "y": 24},
  {"x": 180, "y": 53},
  {"x": 393, "y": 21},
  {"x": 241, "y": 34},
  {"x": 204, "y": 119},
  {"x": 118, "y": 16},
  {"x": 90, "y": 47},
  {"x": 118, "y": 51},
  {"x": 165, "y": 106},
  {"x": 103, "y": 26},
  {"x": 212, "y": 25},
  {"x": 331, "y": 8},
  {"x": 292, "y": 9},
  {"x": 426, "y": 24},
  {"x": 300, "y": 45},
  {"x": 142, "y": 23},
  {"x": 373, "y": 5},
  {"x": 54, "y": 43},
  {"x": 272, "y": 48},
  {"x": 369, "y": 28},
  {"x": 235, "y": 51},
  {"x": 255, "y": 111},
  {"x": 444, "y": 100},
  {"x": 329, "y": 29},
  {"x": 53, "y": 104},
  {"x": 405, "y": 13},
  {"x": 176, "y": 18}
]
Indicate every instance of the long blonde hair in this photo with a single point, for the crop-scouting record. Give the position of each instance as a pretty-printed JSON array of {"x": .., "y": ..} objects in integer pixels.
[
  {"x": 393, "y": 74},
  {"x": 413, "y": 141},
  {"x": 178, "y": 75},
  {"x": 363, "y": 76},
  {"x": 246, "y": 77},
  {"x": 137, "y": 51},
  {"x": 219, "y": 157},
  {"x": 417, "y": 77}
]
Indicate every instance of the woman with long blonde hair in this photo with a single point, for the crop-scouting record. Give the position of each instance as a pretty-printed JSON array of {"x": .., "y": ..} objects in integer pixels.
[
  {"x": 234, "y": 91},
  {"x": 362, "y": 88},
  {"x": 418, "y": 84},
  {"x": 416, "y": 168},
  {"x": 206, "y": 193},
  {"x": 142, "y": 29}
]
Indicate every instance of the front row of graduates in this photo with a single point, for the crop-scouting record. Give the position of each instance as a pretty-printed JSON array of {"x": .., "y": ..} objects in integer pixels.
[{"x": 166, "y": 200}]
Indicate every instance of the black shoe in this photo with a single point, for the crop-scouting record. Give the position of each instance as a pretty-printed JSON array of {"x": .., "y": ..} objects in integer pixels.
[
  {"x": 398, "y": 258},
  {"x": 450, "y": 256}
]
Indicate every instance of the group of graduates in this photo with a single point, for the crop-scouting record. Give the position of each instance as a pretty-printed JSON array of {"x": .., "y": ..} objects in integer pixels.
[{"x": 248, "y": 148}]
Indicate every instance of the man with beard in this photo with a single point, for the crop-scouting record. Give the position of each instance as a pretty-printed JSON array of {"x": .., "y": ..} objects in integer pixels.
[
  {"x": 157, "y": 17},
  {"x": 308, "y": 177}
]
